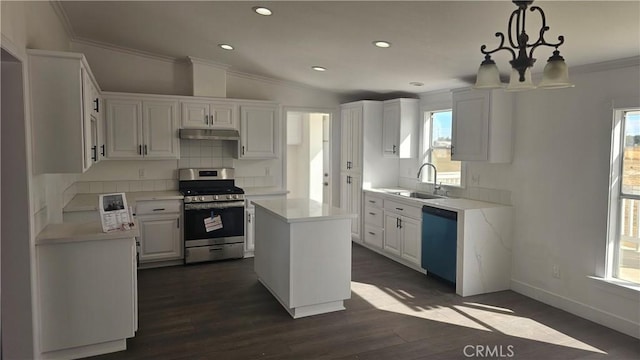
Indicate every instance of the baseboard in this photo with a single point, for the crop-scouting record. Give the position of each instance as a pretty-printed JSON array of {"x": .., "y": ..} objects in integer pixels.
[{"x": 577, "y": 308}]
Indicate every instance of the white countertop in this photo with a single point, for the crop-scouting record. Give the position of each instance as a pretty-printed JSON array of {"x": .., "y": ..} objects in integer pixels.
[
  {"x": 76, "y": 232},
  {"x": 89, "y": 202},
  {"x": 264, "y": 191},
  {"x": 453, "y": 204},
  {"x": 301, "y": 210}
]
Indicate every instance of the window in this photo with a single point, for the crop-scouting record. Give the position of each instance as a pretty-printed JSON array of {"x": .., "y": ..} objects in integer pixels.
[
  {"x": 624, "y": 255},
  {"x": 436, "y": 141}
]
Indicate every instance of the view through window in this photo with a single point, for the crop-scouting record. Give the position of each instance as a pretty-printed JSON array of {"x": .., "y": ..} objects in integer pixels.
[
  {"x": 437, "y": 149},
  {"x": 627, "y": 261}
]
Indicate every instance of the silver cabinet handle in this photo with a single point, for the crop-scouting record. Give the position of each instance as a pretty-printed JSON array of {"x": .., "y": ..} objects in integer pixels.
[{"x": 249, "y": 218}]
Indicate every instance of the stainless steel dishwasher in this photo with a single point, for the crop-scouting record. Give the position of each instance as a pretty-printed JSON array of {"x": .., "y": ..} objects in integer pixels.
[{"x": 439, "y": 242}]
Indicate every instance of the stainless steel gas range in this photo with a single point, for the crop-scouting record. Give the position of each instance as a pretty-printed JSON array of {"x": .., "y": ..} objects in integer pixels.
[{"x": 213, "y": 215}]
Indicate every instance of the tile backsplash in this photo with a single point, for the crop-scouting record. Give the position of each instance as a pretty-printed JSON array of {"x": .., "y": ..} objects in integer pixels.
[{"x": 471, "y": 192}]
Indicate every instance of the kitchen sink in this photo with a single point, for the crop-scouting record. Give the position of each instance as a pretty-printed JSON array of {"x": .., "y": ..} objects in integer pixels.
[{"x": 418, "y": 195}]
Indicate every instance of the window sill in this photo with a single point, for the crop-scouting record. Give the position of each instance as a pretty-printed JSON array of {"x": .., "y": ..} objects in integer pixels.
[{"x": 619, "y": 287}]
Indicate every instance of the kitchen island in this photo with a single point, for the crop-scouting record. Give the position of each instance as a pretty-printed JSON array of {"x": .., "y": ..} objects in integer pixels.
[{"x": 303, "y": 254}]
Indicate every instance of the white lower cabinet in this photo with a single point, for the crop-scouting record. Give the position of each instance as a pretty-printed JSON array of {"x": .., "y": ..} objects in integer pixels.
[
  {"x": 403, "y": 236},
  {"x": 249, "y": 217},
  {"x": 160, "y": 231}
]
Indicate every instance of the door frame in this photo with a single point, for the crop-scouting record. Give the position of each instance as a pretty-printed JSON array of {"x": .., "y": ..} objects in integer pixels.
[{"x": 333, "y": 115}]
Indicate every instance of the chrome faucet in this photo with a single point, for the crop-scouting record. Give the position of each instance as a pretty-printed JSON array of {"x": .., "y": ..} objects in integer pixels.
[{"x": 436, "y": 187}]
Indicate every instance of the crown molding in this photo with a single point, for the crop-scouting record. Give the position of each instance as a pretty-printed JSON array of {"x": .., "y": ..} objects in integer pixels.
[
  {"x": 126, "y": 50},
  {"x": 605, "y": 65},
  {"x": 64, "y": 19},
  {"x": 211, "y": 63},
  {"x": 273, "y": 81}
]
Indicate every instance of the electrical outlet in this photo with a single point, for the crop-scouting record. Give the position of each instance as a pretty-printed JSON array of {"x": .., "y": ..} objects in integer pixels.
[
  {"x": 141, "y": 173},
  {"x": 555, "y": 271}
]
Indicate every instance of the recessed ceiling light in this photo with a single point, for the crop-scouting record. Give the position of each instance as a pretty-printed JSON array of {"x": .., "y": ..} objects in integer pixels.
[
  {"x": 226, "y": 46},
  {"x": 382, "y": 44},
  {"x": 416, "y": 83},
  {"x": 262, "y": 10},
  {"x": 319, "y": 68}
]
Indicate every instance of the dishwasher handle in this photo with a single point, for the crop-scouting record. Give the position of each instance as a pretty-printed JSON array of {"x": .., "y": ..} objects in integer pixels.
[{"x": 447, "y": 214}]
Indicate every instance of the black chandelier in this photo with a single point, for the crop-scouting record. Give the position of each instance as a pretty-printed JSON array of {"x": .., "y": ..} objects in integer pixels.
[{"x": 555, "y": 74}]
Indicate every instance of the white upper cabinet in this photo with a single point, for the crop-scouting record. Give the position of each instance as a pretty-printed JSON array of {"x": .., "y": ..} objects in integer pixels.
[
  {"x": 140, "y": 128},
  {"x": 482, "y": 126},
  {"x": 62, "y": 93},
  {"x": 400, "y": 128},
  {"x": 202, "y": 114},
  {"x": 259, "y": 133}
]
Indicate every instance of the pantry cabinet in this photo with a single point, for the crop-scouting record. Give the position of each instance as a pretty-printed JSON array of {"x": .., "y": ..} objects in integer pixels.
[
  {"x": 351, "y": 144},
  {"x": 482, "y": 126},
  {"x": 259, "y": 134},
  {"x": 204, "y": 114},
  {"x": 400, "y": 128},
  {"x": 66, "y": 128},
  {"x": 142, "y": 128}
]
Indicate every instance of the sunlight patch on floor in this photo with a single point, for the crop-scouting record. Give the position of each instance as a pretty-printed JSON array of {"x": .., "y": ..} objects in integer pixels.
[
  {"x": 525, "y": 328},
  {"x": 472, "y": 315},
  {"x": 401, "y": 302}
]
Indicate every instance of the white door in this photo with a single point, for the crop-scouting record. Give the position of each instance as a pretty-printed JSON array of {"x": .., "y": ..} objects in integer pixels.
[
  {"x": 224, "y": 115},
  {"x": 160, "y": 129},
  {"x": 124, "y": 128},
  {"x": 159, "y": 238},
  {"x": 391, "y": 234},
  {"x": 470, "y": 126},
  {"x": 258, "y": 132},
  {"x": 391, "y": 130},
  {"x": 411, "y": 240},
  {"x": 195, "y": 114}
]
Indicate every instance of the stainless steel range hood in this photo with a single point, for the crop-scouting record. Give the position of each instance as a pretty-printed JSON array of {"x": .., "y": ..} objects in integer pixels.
[{"x": 209, "y": 134}]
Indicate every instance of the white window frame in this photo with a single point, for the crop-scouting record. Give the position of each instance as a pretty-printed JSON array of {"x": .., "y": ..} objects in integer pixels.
[
  {"x": 425, "y": 153},
  {"x": 609, "y": 267}
]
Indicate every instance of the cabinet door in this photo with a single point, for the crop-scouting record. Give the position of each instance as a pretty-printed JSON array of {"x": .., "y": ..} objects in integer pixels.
[
  {"x": 345, "y": 140},
  {"x": 223, "y": 115},
  {"x": 391, "y": 234},
  {"x": 249, "y": 244},
  {"x": 160, "y": 129},
  {"x": 470, "y": 126},
  {"x": 258, "y": 132},
  {"x": 124, "y": 128},
  {"x": 356, "y": 204},
  {"x": 89, "y": 126},
  {"x": 160, "y": 238},
  {"x": 195, "y": 114},
  {"x": 411, "y": 231},
  {"x": 356, "y": 139},
  {"x": 391, "y": 130}
]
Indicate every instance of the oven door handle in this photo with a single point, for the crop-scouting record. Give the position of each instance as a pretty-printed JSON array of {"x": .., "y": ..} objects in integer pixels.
[{"x": 214, "y": 205}]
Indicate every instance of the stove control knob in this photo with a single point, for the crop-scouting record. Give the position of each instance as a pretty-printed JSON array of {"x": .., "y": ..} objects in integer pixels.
[
  {"x": 201, "y": 198},
  {"x": 187, "y": 199},
  {"x": 228, "y": 197},
  {"x": 235, "y": 196},
  {"x": 216, "y": 197}
]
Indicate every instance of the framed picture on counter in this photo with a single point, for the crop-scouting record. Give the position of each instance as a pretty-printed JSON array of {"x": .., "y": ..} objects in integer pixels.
[{"x": 114, "y": 212}]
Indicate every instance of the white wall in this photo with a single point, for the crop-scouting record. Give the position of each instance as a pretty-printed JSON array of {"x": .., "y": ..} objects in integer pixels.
[
  {"x": 559, "y": 182},
  {"x": 558, "y": 185},
  {"x": 31, "y": 25}
]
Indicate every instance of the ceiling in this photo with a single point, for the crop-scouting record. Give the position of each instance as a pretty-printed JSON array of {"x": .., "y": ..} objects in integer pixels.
[{"x": 433, "y": 42}]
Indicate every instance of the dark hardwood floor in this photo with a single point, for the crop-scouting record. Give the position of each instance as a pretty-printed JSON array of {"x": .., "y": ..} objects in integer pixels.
[{"x": 220, "y": 311}]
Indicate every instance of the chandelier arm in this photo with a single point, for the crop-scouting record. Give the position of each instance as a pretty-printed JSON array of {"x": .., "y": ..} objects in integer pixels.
[
  {"x": 500, "y": 47},
  {"x": 515, "y": 13},
  {"x": 542, "y": 42}
]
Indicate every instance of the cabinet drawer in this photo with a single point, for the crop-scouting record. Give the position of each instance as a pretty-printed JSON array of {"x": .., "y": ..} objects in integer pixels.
[
  {"x": 373, "y": 216},
  {"x": 372, "y": 200},
  {"x": 373, "y": 235},
  {"x": 158, "y": 207},
  {"x": 403, "y": 209}
]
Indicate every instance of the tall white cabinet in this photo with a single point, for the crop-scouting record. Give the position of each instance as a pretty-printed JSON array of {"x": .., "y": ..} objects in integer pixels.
[{"x": 362, "y": 163}]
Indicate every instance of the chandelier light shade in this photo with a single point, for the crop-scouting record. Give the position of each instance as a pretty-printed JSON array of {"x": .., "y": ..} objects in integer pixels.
[{"x": 555, "y": 75}]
